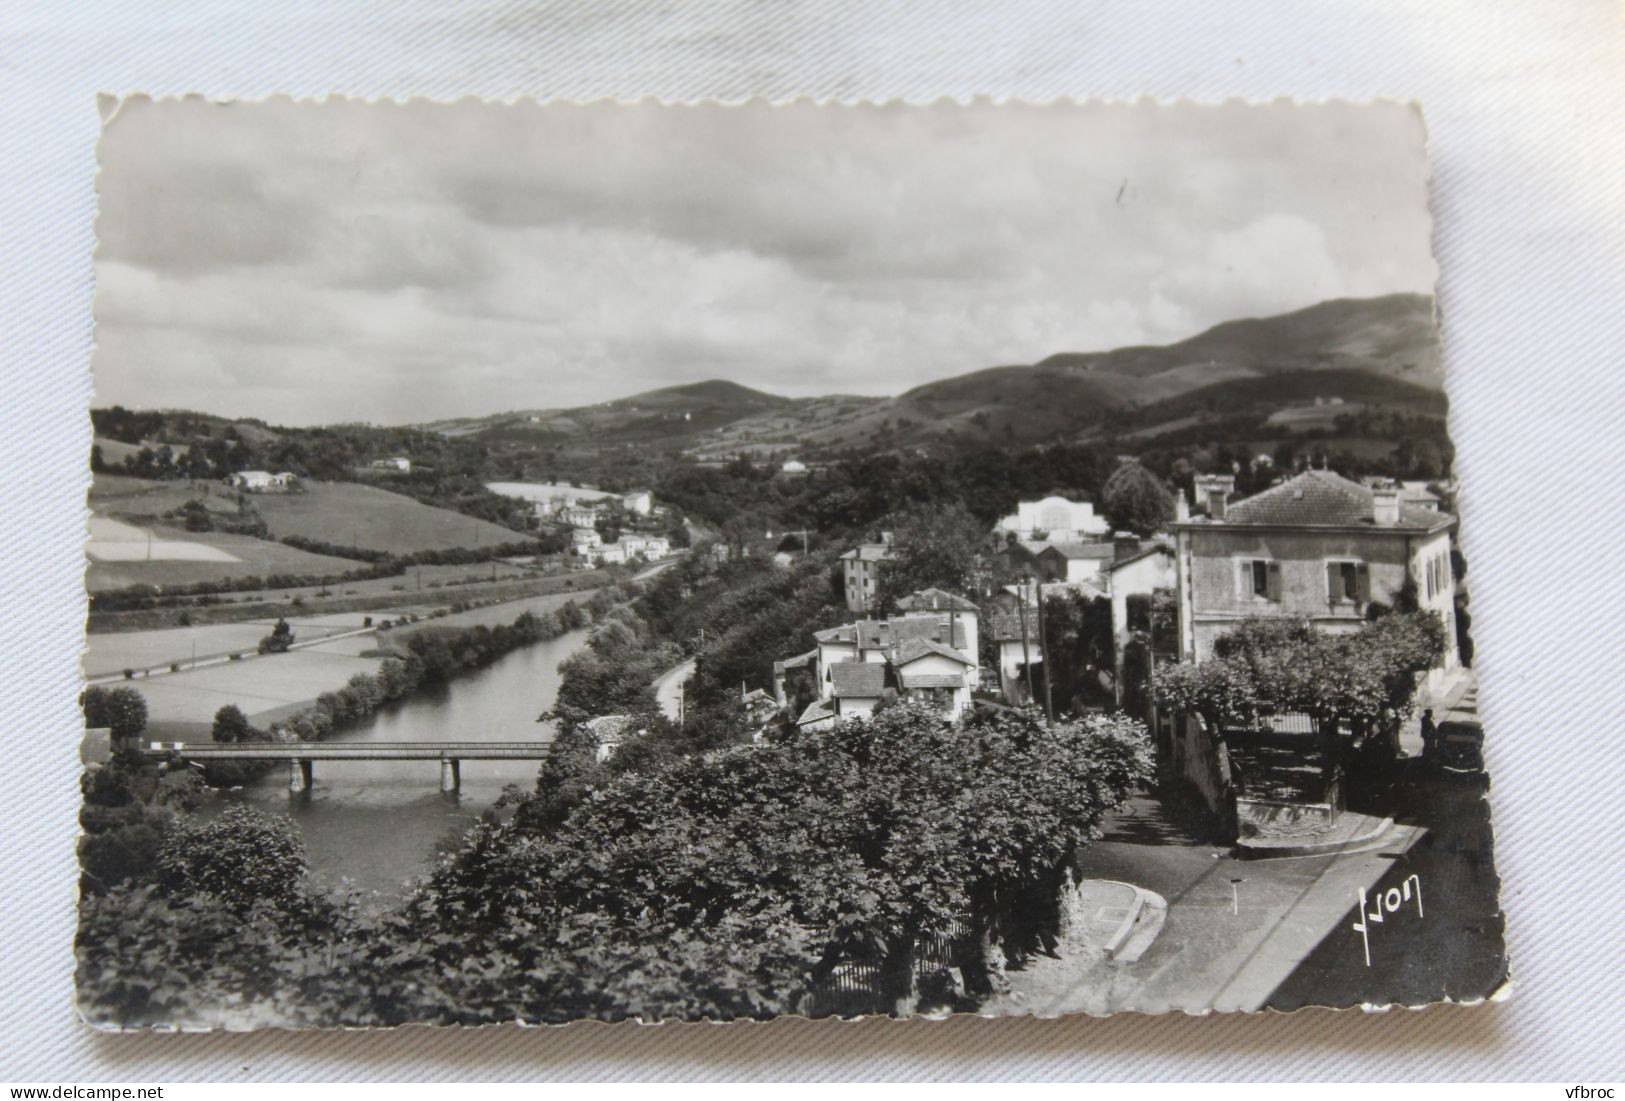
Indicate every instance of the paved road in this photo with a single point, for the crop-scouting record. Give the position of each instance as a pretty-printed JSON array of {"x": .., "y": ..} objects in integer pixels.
[
  {"x": 1244, "y": 934},
  {"x": 669, "y": 689}
]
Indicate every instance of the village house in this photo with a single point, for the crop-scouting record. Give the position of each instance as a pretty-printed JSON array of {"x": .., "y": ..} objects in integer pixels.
[
  {"x": 929, "y": 652},
  {"x": 1133, "y": 570},
  {"x": 1074, "y": 561},
  {"x": 396, "y": 463},
  {"x": 1054, "y": 519},
  {"x": 583, "y": 540},
  {"x": 610, "y": 732},
  {"x": 1317, "y": 546},
  {"x": 793, "y": 466},
  {"x": 578, "y": 515},
  {"x": 639, "y": 502},
  {"x": 860, "y": 570}
]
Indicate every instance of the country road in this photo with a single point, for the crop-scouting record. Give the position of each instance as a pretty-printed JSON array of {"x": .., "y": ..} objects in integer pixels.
[{"x": 669, "y": 689}]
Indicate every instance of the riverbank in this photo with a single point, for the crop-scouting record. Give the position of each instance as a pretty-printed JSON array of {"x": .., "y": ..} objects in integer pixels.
[{"x": 276, "y": 688}]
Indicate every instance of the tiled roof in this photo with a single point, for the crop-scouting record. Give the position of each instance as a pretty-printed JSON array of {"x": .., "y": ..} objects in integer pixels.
[
  {"x": 847, "y": 632},
  {"x": 612, "y": 728},
  {"x": 868, "y": 552},
  {"x": 1143, "y": 552},
  {"x": 934, "y": 680},
  {"x": 818, "y": 709},
  {"x": 1083, "y": 550},
  {"x": 936, "y": 600},
  {"x": 913, "y": 649},
  {"x": 1320, "y": 498},
  {"x": 800, "y": 661},
  {"x": 878, "y": 634},
  {"x": 858, "y": 678},
  {"x": 1007, "y": 628}
]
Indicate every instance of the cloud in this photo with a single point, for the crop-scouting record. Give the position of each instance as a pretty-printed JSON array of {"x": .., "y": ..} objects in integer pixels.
[{"x": 312, "y": 262}]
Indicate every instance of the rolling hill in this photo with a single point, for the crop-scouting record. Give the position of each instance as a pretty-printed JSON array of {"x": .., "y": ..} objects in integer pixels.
[{"x": 1367, "y": 354}]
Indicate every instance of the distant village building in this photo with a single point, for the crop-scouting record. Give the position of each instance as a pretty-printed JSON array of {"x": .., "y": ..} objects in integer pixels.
[
  {"x": 793, "y": 466},
  {"x": 610, "y": 732},
  {"x": 254, "y": 481},
  {"x": 1316, "y": 545},
  {"x": 397, "y": 463},
  {"x": 584, "y": 539},
  {"x": 1055, "y": 520},
  {"x": 579, "y": 515},
  {"x": 640, "y": 502},
  {"x": 860, "y": 570}
]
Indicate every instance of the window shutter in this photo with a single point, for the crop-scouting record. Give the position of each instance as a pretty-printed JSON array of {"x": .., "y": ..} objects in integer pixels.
[
  {"x": 1275, "y": 581},
  {"x": 1334, "y": 582},
  {"x": 1244, "y": 580},
  {"x": 1362, "y": 583}
]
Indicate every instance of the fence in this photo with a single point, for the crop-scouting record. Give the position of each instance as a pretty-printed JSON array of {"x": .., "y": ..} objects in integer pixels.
[{"x": 855, "y": 985}]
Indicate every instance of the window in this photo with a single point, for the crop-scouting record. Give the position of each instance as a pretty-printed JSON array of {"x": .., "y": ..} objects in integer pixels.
[
  {"x": 1259, "y": 579},
  {"x": 1348, "y": 582}
]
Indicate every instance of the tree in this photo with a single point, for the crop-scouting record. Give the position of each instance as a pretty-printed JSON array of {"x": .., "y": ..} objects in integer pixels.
[
  {"x": 1275, "y": 665},
  {"x": 122, "y": 710},
  {"x": 231, "y": 725},
  {"x": 933, "y": 546},
  {"x": 1135, "y": 499},
  {"x": 279, "y": 640},
  {"x": 241, "y": 857},
  {"x": 775, "y": 863}
]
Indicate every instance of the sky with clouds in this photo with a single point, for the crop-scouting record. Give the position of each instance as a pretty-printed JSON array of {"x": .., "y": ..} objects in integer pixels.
[{"x": 332, "y": 261}]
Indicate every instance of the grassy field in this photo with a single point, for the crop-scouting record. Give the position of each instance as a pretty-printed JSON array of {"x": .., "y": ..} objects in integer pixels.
[
  {"x": 250, "y": 557},
  {"x": 119, "y": 494},
  {"x": 348, "y": 513},
  {"x": 107, "y": 654},
  {"x": 182, "y": 705}
]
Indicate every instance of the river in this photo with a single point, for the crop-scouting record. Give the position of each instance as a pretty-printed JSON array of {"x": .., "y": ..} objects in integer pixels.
[{"x": 377, "y": 823}]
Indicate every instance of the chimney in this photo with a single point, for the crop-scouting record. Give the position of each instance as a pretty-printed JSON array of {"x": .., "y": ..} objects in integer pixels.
[
  {"x": 1182, "y": 508},
  {"x": 1213, "y": 490},
  {"x": 1385, "y": 506},
  {"x": 1124, "y": 545}
]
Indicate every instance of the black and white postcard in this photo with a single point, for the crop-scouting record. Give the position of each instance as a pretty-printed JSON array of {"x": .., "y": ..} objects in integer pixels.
[{"x": 628, "y": 561}]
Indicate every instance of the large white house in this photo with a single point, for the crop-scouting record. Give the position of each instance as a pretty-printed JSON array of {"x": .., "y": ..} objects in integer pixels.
[{"x": 1054, "y": 520}]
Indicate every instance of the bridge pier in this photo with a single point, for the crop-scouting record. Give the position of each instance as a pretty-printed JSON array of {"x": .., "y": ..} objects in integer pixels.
[
  {"x": 451, "y": 775},
  {"x": 301, "y": 775}
]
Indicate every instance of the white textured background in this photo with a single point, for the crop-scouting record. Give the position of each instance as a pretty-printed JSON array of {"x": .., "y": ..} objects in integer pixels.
[{"x": 1524, "y": 104}]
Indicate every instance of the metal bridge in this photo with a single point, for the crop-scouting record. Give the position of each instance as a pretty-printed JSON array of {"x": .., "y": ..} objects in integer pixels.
[{"x": 302, "y": 756}]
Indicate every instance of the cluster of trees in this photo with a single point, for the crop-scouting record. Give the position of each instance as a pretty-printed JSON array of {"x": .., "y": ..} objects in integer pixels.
[
  {"x": 141, "y": 597},
  {"x": 1271, "y": 666},
  {"x": 121, "y": 710},
  {"x": 722, "y": 885}
]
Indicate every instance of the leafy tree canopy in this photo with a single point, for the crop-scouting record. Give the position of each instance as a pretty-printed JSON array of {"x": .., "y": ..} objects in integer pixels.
[
  {"x": 1276, "y": 665},
  {"x": 1135, "y": 500}
]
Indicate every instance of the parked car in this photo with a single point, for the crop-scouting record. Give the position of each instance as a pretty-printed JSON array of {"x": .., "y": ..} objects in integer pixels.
[{"x": 1459, "y": 747}]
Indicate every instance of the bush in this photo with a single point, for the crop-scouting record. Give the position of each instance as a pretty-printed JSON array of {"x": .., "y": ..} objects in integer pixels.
[
  {"x": 242, "y": 857},
  {"x": 279, "y": 640}
]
